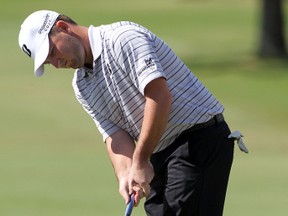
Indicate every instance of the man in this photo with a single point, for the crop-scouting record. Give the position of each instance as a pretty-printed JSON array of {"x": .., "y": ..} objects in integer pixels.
[{"x": 164, "y": 131}]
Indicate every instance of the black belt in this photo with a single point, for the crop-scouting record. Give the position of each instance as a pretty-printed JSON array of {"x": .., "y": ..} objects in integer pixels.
[
  {"x": 213, "y": 121},
  {"x": 217, "y": 119}
]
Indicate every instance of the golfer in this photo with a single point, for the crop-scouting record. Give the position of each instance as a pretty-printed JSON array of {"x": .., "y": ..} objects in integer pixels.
[{"x": 165, "y": 132}]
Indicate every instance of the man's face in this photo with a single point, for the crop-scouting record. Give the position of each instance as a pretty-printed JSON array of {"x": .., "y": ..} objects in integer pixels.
[{"x": 66, "y": 51}]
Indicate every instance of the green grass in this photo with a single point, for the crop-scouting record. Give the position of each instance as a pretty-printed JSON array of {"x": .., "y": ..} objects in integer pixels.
[{"x": 52, "y": 160}]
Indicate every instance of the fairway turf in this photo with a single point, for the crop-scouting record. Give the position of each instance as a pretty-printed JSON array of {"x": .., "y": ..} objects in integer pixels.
[{"x": 52, "y": 159}]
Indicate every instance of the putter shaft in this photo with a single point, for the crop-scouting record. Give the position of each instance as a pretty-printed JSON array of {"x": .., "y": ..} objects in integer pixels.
[{"x": 130, "y": 205}]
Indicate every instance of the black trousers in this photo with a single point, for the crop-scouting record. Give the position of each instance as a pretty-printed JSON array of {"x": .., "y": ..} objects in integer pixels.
[{"x": 191, "y": 175}]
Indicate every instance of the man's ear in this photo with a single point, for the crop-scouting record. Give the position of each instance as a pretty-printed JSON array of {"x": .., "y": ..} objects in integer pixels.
[{"x": 63, "y": 25}]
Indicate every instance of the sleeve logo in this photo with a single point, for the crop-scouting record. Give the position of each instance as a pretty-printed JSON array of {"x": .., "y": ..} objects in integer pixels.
[{"x": 149, "y": 65}]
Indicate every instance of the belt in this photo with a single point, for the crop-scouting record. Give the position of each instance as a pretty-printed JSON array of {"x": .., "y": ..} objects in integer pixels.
[
  {"x": 213, "y": 121},
  {"x": 217, "y": 119}
]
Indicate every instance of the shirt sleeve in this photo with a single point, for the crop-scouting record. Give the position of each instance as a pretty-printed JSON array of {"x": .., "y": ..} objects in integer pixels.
[
  {"x": 135, "y": 53},
  {"x": 105, "y": 126}
]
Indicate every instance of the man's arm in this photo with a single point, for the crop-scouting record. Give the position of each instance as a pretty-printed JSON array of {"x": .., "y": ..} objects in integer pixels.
[
  {"x": 120, "y": 147},
  {"x": 156, "y": 115}
]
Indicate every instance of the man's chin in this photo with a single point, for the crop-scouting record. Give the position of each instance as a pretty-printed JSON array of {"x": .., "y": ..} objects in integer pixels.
[{"x": 75, "y": 66}]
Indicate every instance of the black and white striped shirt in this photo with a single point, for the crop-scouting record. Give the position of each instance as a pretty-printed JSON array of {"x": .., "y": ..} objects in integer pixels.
[{"x": 127, "y": 57}]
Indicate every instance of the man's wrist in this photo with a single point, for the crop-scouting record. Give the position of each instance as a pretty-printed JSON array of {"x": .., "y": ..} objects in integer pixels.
[{"x": 140, "y": 157}]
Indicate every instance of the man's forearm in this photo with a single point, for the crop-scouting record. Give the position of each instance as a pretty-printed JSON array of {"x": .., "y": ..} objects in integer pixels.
[
  {"x": 120, "y": 147},
  {"x": 156, "y": 115}
]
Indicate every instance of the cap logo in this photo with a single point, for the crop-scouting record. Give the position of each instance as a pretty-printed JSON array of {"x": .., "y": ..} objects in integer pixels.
[
  {"x": 26, "y": 50},
  {"x": 46, "y": 24}
]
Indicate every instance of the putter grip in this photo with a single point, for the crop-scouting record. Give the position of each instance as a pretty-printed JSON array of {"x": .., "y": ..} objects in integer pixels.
[{"x": 130, "y": 205}]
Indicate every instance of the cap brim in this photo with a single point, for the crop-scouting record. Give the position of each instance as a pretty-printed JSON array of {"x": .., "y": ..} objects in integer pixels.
[{"x": 40, "y": 58}]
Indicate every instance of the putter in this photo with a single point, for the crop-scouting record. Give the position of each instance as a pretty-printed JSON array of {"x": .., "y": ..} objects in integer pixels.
[{"x": 130, "y": 205}]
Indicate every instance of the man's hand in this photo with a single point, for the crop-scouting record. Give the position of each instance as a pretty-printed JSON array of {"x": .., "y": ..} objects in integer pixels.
[
  {"x": 139, "y": 180},
  {"x": 124, "y": 187}
]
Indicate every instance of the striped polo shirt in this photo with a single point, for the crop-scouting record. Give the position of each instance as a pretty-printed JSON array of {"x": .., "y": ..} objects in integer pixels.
[{"x": 127, "y": 57}]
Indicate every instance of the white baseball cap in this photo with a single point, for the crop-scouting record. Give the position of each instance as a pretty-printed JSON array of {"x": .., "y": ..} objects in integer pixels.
[{"x": 33, "y": 37}]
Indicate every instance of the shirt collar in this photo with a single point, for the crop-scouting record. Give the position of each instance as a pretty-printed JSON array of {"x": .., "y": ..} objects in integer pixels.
[{"x": 95, "y": 41}]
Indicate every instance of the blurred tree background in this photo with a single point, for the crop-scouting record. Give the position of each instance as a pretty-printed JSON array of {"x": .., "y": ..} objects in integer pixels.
[{"x": 273, "y": 29}]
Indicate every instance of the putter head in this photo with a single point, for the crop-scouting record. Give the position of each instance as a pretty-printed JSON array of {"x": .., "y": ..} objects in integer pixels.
[{"x": 130, "y": 205}]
